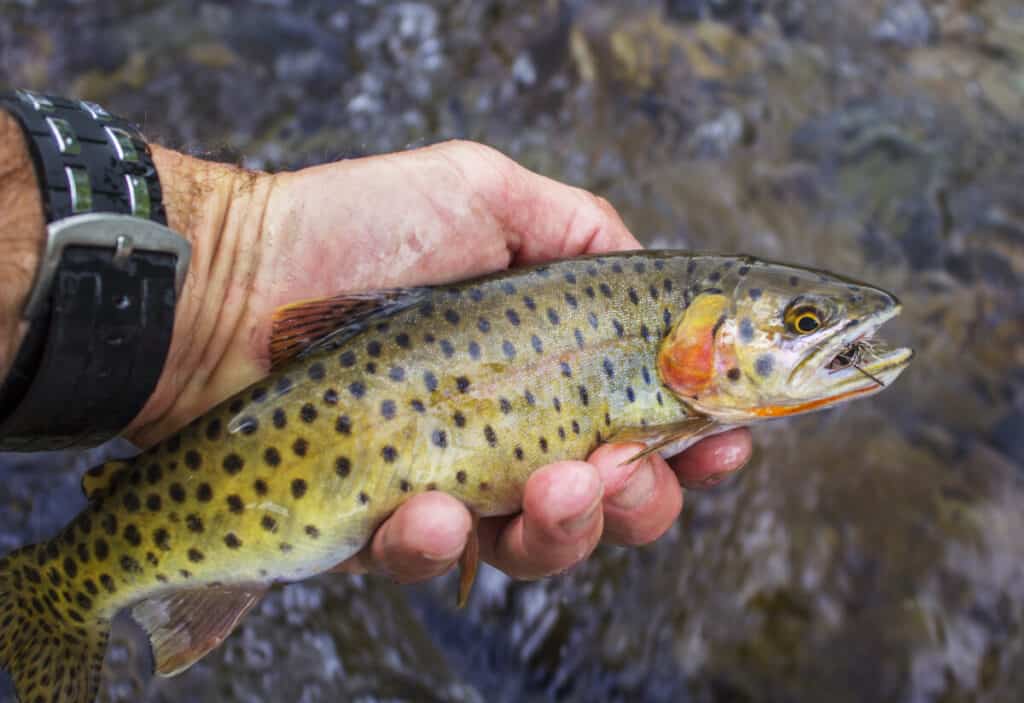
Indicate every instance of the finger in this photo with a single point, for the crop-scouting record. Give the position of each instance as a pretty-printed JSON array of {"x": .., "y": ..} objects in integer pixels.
[
  {"x": 422, "y": 539},
  {"x": 641, "y": 499},
  {"x": 714, "y": 459},
  {"x": 560, "y": 525},
  {"x": 551, "y": 220}
]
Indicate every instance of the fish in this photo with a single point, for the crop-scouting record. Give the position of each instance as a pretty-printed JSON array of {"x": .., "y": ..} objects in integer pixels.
[{"x": 465, "y": 388}]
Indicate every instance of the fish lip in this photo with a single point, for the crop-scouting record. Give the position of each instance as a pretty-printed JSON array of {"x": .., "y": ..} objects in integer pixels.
[{"x": 882, "y": 364}]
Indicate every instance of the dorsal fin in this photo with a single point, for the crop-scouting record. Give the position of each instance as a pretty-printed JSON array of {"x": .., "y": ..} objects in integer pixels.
[
  {"x": 99, "y": 478},
  {"x": 184, "y": 625},
  {"x": 657, "y": 437},
  {"x": 323, "y": 323}
]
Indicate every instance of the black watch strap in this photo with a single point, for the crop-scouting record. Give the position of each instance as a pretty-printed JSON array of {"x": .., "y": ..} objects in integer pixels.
[{"x": 101, "y": 310}]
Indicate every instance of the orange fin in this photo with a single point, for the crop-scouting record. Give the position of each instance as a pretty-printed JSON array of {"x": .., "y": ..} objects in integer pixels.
[
  {"x": 659, "y": 436},
  {"x": 184, "y": 625},
  {"x": 686, "y": 359},
  {"x": 305, "y": 326},
  {"x": 469, "y": 562},
  {"x": 99, "y": 478}
]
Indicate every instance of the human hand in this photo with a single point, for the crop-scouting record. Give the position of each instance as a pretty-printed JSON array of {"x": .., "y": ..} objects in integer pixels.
[{"x": 428, "y": 216}]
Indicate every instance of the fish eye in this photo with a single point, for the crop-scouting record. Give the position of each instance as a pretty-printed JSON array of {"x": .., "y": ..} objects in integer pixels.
[{"x": 803, "y": 320}]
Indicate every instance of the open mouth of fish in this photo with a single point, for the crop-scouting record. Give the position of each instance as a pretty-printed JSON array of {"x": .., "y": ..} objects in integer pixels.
[{"x": 855, "y": 360}]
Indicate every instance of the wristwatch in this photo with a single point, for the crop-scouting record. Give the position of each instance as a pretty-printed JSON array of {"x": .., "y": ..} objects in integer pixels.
[{"x": 101, "y": 308}]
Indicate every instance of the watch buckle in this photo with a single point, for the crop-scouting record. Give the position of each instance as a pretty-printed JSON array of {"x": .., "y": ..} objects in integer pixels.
[{"x": 121, "y": 233}]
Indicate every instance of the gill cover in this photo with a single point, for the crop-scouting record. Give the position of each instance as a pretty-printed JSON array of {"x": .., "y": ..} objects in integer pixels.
[{"x": 688, "y": 356}]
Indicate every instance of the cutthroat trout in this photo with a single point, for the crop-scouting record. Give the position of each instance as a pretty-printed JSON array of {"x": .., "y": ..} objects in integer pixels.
[{"x": 465, "y": 389}]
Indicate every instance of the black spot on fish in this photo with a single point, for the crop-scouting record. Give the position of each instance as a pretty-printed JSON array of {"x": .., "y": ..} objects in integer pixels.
[
  {"x": 617, "y": 267},
  {"x": 417, "y": 405},
  {"x": 233, "y": 463},
  {"x": 439, "y": 438},
  {"x": 231, "y": 541},
  {"x": 177, "y": 493},
  {"x": 343, "y": 425},
  {"x": 70, "y": 568},
  {"x": 161, "y": 539},
  {"x": 396, "y": 373},
  {"x": 476, "y": 295},
  {"x": 754, "y": 293},
  {"x": 592, "y": 319},
  {"x": 268, "y": 523},
  {"x": 213, "y": 428},
  {"x": 462, "y": 383},
  {"x": 259, "y": 394},
  {"x": 561, "y": 433},
  {"x": 195, "y": 556},
  {"x": 474, "y": 350},
  {"x": 566, "y": 369},
  {"x": 653, "y": 290},
  {"x": 569, "y": 277},
  {"x": 589, "y": 290},
  {"x": 235, "y": 504},
  {"x": 512, "y": 316},
  {"x": 570, "y": 299},
  {"x": 430, "y": 381},
  {"x": 619, "y": 329},
  {"x": 505, "y": 405},
  {"x": 484, "y": 325},
  {"x": 557, "y": 404},
  {"x": 427, "y": 309},
  {"x": 537, "y": 345},
  {"x": 101, "y": 549},
  {"x": 575, "y": 427},
  {"x": 260, "y": 486},
  {"x": 553, "y": 316},
  {"x": 490, "y": 436},
  {"x": 584, "y": 395},
  {"x": 667, "y": 286},
  {"x": 371, "y": 367},
  {"x": 451, "y": 316},
  {"x": 316, "y": 371},
  {"x": 347, "y": 359},
  {"x": 460, "y": 476},
  {"x": 131, "y": 502},
  {"x": 279, "y": 418},
  {"x": 646, "y": 374},
  {"x": 530, "y": 400},
  {"x": 543, "y": 443},
  {"x": 733, "y": 374},
  {"x": 403, "y": 341},
  {"x": 746, "y": 330},
  {"x": 714, "y": 276},
  {"x": 529, "y": 303},
  {"x": 666, "y": 317},
  {"x": 284, "y": 386},
  {"x": 743, "y": 270},
  {"x": 83, "y": 556},
  {"x": 311, "y": 531},
  {"x": 108, "y": 583},
  {"x": 357, "y": 389},
  {"x": 508, "y": 349},
  {"x": 363, "y": 498},
  {"x": 194, "y": 523},
  {"x": 193, "y": 460},
  {"x": 132, "y": 535},
  {"x": 373, "y": 348},
  {"x": 130, "y": 565},
  {"x": 387, "y": 409},
  {"x": 153, "y": 474},
  {"x": 447, "y": 349},
  {"x": 342, "y": 466},
  {"x": 153, "y": 502},
  {"x": 519, "y": 453},
  {"x": 579, "y": 337},
  {"x": 300, "y": 446},
  {"x": 459, "y": 419},
  {"x": 793, "y": 281},
  {"x": 764, "y": 365},
  {"x": 630, "y": 394},
  {"x": 298, "y": 488},
  {"x": 507, "y": 288},
  {"x": 633, "y": 297},
  {"x": 644, "y": 332},
  {"x": 330, "y": 397},
  {"x": 389, "y": 454}
]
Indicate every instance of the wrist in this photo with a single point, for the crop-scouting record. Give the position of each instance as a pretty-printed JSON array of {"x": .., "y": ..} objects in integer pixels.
[
  {"x": 218, "y": 208},
  {"x": 22, "y": 230}
]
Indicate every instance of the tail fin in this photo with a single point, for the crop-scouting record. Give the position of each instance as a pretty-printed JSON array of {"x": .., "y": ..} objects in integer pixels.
[{"x": 51, "y": 642}]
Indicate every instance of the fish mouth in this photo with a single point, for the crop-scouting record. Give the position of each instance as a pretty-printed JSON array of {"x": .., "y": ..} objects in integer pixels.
[{"x": 854, "y": 361}]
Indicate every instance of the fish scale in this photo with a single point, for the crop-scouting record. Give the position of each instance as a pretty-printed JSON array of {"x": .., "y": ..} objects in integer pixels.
[{"x": 465, "y": 389}]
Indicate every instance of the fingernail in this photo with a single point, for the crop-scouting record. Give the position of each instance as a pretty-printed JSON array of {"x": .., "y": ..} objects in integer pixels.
[
  {"x": 576, "y": 526},
  {"x": 715, "y": 479},
  {"x": 442, "y": 558},
  {"x": 638, "y": 488}
]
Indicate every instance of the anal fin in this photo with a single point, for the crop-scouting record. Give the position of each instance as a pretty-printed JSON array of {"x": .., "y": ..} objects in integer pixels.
[
  {"x": 184, "y": 625},
  {"x": 657, "y": 437},
  {"x": 469, "y": 562}
]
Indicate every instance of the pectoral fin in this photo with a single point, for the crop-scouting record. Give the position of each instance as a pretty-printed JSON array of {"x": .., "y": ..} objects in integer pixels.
[
  {"x": 183, "y": 626},
  {"x": 659, "y": 436}
]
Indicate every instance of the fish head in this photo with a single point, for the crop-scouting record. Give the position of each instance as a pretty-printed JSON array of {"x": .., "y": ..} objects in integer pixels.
[{"x": 772, "y": 340}]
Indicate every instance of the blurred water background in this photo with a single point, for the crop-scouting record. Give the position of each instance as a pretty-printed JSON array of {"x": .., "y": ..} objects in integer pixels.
[{"x": 870, "y": 553}]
